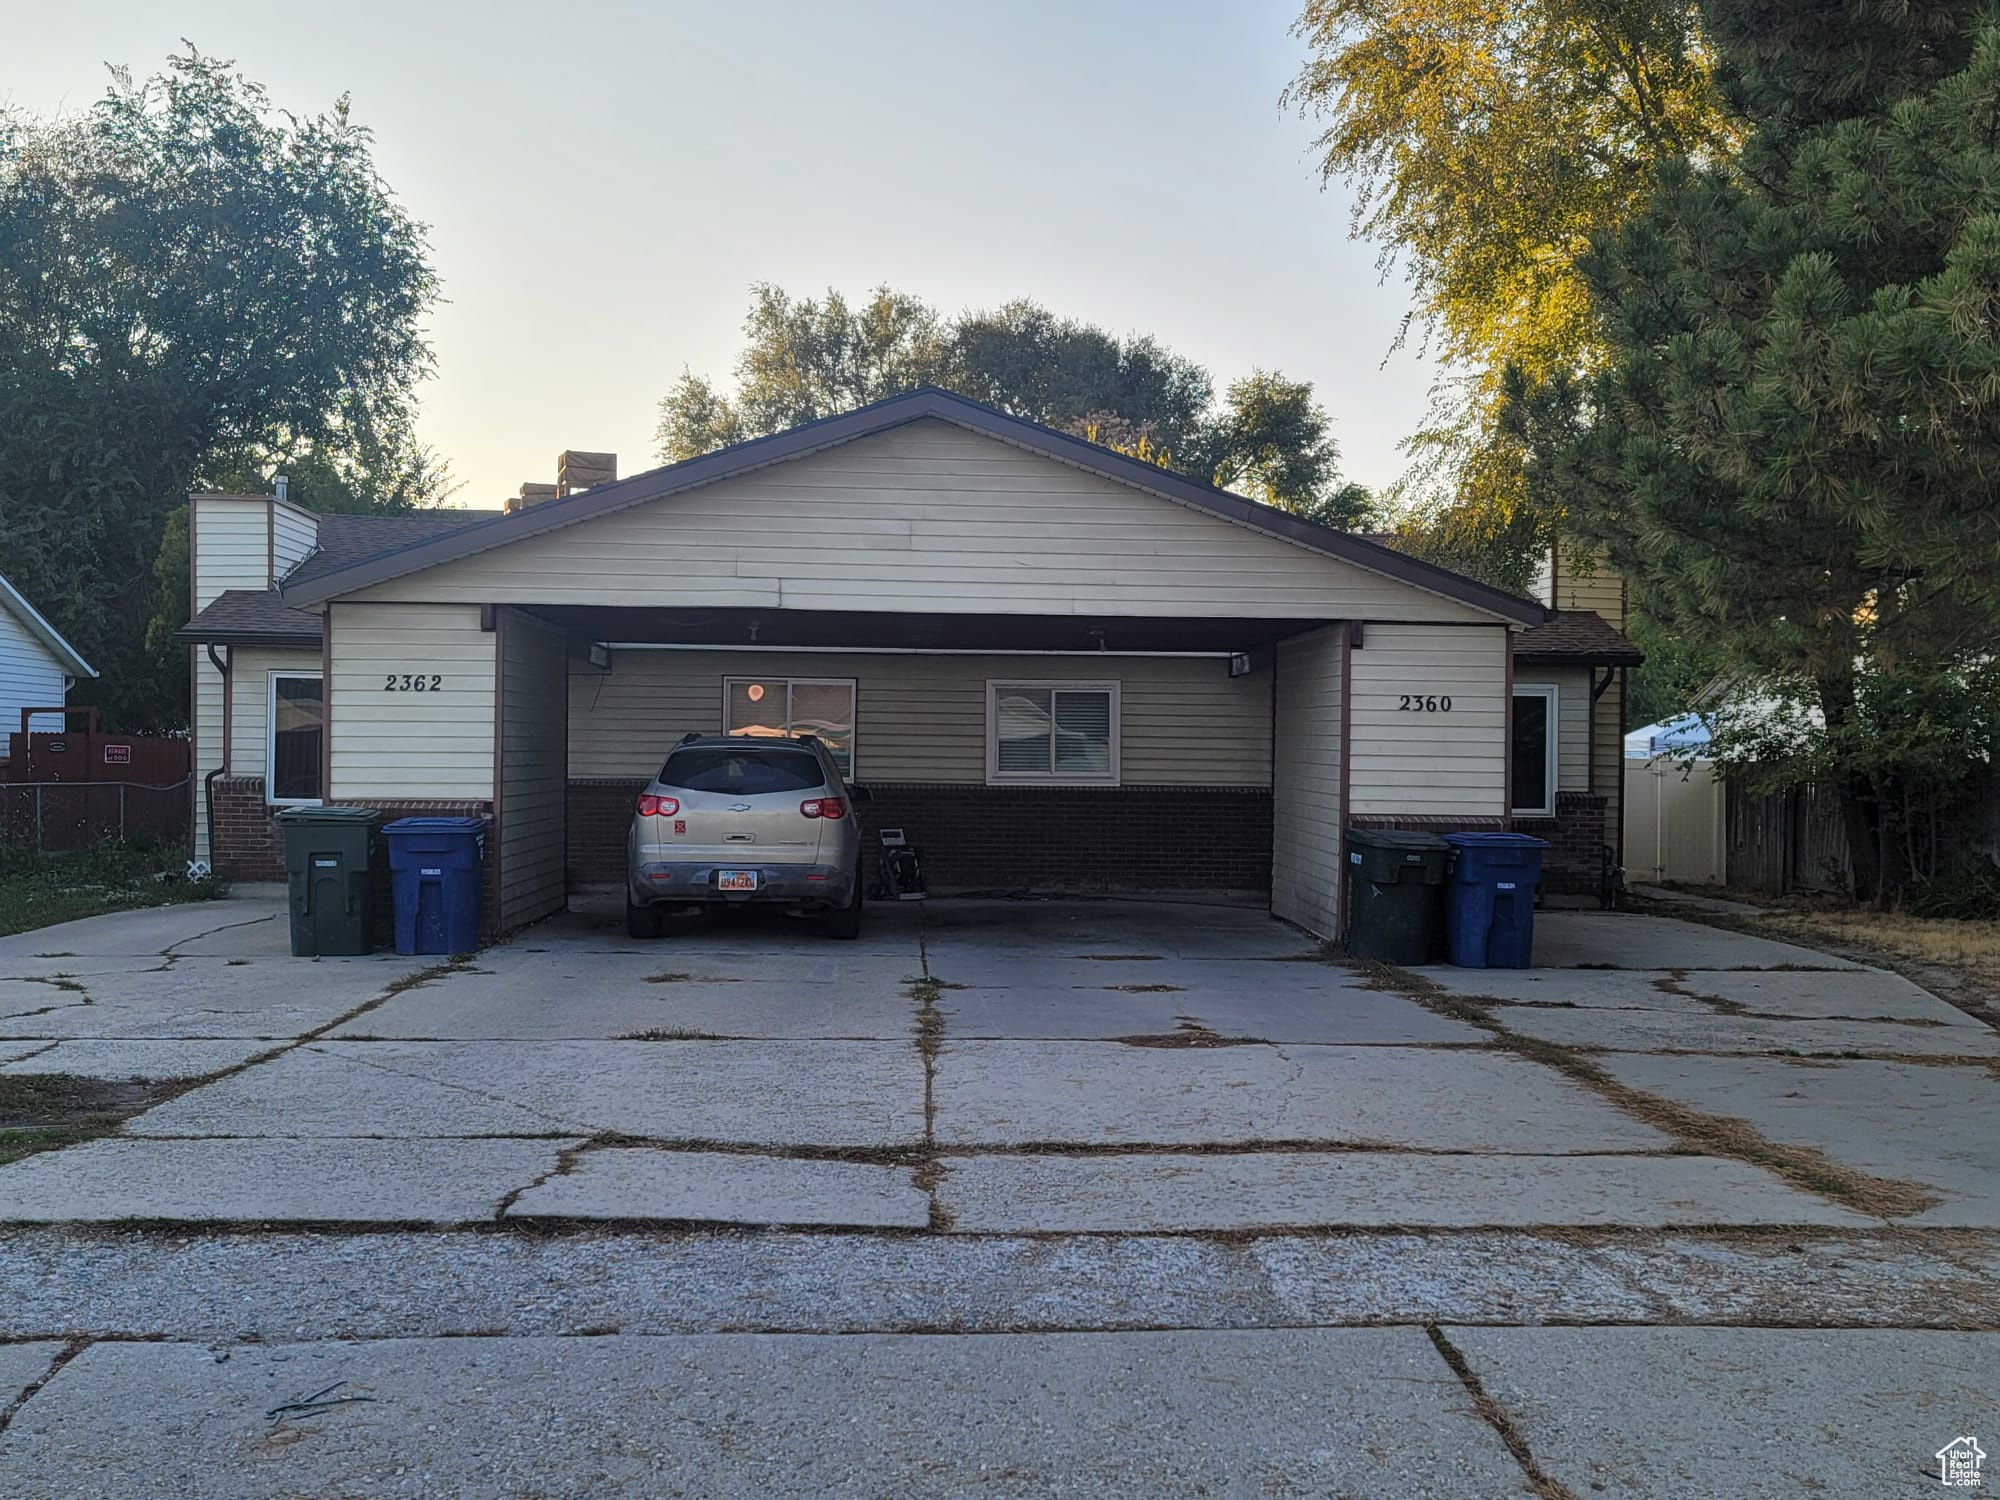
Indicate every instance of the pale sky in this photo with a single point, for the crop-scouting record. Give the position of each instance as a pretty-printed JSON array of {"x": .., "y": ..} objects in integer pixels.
[{"x": 603, "y": 181}]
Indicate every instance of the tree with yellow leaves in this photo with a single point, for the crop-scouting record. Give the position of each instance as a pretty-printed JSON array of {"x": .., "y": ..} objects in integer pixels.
[{"x": 1486, "y": 142}]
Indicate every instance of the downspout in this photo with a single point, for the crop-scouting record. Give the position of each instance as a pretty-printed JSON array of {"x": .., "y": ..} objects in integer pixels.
[{"x": 222, "y": 768}]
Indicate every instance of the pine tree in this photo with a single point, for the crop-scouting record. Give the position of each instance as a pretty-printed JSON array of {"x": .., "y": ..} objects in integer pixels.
[{"x": 1794, "y": 449}]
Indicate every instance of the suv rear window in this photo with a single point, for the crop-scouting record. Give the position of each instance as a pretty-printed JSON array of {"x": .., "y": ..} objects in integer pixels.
[{"x": 745, "y": 772}]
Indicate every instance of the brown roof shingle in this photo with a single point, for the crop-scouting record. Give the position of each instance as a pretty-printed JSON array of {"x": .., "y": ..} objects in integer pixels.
[
  {"x": 251, "y": 617},
  {"x": 1580, "y": 636}
]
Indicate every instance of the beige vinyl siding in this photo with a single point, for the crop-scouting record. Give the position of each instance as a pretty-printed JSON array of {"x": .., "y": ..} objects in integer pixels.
[
  {"x": 1607, "y": 751},
  {"x": 1572, "y": 687},
  {"x": 1305, "y": 788},
  {"x": 534, "y": 785},
  {"x": 409, "y": 746},
  {"x": 206, "y": 722},
  {"x": 1588, "y": 583},
  {"x": 1184, "y": 720},
  {"x": 1429, "y": 764},
  {"x": 928, "y": 517},
  {"x": 232, "y": 547},
  {"x": 250, "y": 701},
  {"x": 294, "y": 534}
]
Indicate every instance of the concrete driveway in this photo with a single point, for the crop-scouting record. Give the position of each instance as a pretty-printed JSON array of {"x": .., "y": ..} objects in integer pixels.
[{"x": 1115, "y": 1141}]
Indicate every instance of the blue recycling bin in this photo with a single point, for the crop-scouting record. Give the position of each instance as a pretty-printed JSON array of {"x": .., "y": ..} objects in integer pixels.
[
  {"x": 1489, "y": 899},
  {"x": 436, "y": 866}
]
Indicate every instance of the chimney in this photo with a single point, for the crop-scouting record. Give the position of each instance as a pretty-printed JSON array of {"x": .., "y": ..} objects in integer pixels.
[
  {"x": 579, "y": 471},
  {"x": 531, "y": 494}
]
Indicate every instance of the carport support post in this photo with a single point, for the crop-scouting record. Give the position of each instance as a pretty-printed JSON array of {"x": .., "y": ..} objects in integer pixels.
[{"x": 1350, "y": 637}]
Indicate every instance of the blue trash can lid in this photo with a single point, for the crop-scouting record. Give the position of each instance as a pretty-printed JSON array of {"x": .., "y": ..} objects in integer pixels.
[
  {"x": 1479, "y": 840},
  {"x": 436, "y": 825}
]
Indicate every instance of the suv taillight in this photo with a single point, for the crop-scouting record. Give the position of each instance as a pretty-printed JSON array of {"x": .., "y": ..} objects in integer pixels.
[
  {"x": 658, "y": 807},
  {"x": 824, "y": 807}
]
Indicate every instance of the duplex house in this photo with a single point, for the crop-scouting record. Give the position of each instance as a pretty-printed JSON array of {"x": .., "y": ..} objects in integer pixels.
[{"x": 1054, "y": 666}]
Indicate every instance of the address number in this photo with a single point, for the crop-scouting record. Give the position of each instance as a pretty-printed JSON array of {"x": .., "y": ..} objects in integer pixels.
[
  {"x": 1424, "y": 703},
  {"x": 412, "y": 682}
]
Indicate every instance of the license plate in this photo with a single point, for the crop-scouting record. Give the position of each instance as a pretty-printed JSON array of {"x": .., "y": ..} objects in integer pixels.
[{"x": 736, "y": 880}]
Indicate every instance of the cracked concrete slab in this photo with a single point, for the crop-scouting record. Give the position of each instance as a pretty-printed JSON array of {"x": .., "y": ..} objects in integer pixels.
[
  {"x": 727, "y": 1188},
  {"x": 21, "y": 1365},
  {"x": 527, "y": 1005},
  {"x": 1018, "y": 942},
  {"x": 1013, "y": 1093},
  {"x": 1657, "y": 1031},
  {"x": 138, "y": 1059},
  {"x": 217, "y": 1181},
  {"x": 231, "y": 928},
  {"x": 1585, "y": 989},
  {"x": 1272, "y": 1002},
  {"x": 834, "y": 1094},
  {"x": 1629, "y": 940},
  {"x": 1719, "y": 1413},
  {"x": 1857, "y": 995},
  {"x": 15, "y": 1051},
  {"x": 1925, "y": 1124},
  {"x": 1365, "y": 1189},
  {"x": 1342, "y": 1411},
  {"x": 204, "y": 998}
]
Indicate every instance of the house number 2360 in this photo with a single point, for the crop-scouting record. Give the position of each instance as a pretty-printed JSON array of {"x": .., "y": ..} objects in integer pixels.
[
  {"x": 1424, "y": 703},
  {"x": 412, "y": 682}
]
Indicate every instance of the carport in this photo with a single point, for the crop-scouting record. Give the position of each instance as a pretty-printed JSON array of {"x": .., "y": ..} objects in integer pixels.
[{"x": 1059, "y": 667}]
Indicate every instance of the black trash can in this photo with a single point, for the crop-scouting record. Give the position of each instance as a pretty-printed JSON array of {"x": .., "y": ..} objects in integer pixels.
[
  {"x": 328, "y": 854},
  {"x": 1396, "y": 881}
]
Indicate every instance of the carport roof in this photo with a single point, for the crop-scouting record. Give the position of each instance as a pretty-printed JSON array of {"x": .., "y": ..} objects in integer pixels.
[{"x": 325, "y": 577}]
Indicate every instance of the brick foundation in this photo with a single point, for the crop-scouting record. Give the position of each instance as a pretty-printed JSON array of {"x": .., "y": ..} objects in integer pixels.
[
  {"x": 244, "y": 841},
  {"x": 1131, "y": 838},
  {"x": 1573, "y": 864}
]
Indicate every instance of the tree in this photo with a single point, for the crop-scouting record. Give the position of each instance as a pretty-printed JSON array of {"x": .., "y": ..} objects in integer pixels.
[
  {"x": 185, "y": 274},
  {"x": 1792, "y": 449},
  {"x": 806, "y": 359},
  {"x": 1487, "y": 141}
]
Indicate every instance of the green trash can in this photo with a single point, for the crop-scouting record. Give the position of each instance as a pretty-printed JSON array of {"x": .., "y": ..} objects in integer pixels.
[
  {"x": 1395, "y": 885},
  {"x": 328, "y": 855}
]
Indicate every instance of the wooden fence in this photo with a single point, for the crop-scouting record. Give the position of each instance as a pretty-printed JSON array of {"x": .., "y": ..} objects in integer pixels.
[{"x": 1788, "y": 841}]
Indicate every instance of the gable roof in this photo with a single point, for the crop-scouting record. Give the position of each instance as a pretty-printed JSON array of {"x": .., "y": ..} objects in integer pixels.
[
  {"x": 345, "y": 540},
  {"x": 16, "y": 603},
  {"x": 316, "y": 580},
  {"x": 252, "y": 617},
  {"x": 1578, "y": 637}
]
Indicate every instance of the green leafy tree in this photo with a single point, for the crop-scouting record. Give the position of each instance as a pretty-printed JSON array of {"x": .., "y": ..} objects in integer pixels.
[
  {"x": 186, "y": 274},
  {"x": 1485, "y": 143},
  {"x": 805, "y": 358},
  {"x": 1791, "y": 451}
]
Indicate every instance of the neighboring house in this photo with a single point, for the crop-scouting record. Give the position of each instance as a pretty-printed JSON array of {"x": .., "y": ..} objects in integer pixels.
[
  {"x": 1056, "y": 667},
  {"x": 37, "y": 666}
]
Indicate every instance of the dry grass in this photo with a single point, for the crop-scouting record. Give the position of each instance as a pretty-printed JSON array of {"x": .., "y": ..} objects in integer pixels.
[{"x": 1971, "y": 946}]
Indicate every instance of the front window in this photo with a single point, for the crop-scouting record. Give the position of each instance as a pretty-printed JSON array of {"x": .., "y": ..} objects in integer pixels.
[
  {"x": 778, "y": 706},
  {"x": 749, "y": 772},
  {"x": 297, "y": 726},
  {"x": 1534, "y": 751},
  {"x": 1055, "y": 732}
]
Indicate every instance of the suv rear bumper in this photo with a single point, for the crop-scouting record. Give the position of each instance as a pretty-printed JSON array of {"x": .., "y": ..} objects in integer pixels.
[{"x": 689, "y": 884}]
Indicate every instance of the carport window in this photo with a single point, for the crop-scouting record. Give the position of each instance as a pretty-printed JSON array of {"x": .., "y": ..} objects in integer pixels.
[
  {"x": 1534, "y": 751},
  {"x": 822, "y": 706},
  {"x": 295, "y": 722},
  {"x": 1052, "y": 732}
]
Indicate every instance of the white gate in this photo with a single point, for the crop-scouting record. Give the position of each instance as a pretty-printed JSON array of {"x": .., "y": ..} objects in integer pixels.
[{"x": 1674, "y": 823}]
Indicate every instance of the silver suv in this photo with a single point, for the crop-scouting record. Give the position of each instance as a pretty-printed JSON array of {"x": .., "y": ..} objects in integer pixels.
[{"x": 734, "y": 820}]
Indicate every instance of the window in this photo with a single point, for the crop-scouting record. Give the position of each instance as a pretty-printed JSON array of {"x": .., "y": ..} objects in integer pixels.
[
  {"x": 820, "y": 706},
  {"x": 295, "y": 726},
  {"x": 1058, "y": 732},
  {"x": 743, "y": 773},
  {"x": 1534, "y": 751}
]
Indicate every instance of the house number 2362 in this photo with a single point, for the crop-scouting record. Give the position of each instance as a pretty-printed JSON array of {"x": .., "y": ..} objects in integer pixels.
[
  {"x": 1424, "y": 703},
  {"x": 412, "y": 682}
]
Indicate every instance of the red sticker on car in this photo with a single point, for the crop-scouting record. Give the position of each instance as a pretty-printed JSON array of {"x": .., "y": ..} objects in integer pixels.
[{"x": 680, "y": 825}]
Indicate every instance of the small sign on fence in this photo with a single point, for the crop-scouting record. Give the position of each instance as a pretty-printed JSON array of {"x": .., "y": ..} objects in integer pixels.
[{"x": 118, "y": 755}]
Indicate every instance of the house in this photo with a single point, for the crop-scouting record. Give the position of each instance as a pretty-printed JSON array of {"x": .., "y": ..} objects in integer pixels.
[
  {"x": 37, "y": 666},
  {"x": 1056, "y": 666}
]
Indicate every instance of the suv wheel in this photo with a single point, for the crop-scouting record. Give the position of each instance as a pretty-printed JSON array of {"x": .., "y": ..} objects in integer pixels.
[
  {"x": 643, "y": 922},
  {"x": 846, "y": 922}
]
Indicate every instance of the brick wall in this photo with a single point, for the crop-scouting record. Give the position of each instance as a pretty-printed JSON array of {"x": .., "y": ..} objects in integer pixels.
[
  {"x": 245, "y": 843},
  {"x": 1573, "y": 864},
  {"x": 1138, "y": 838}
]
